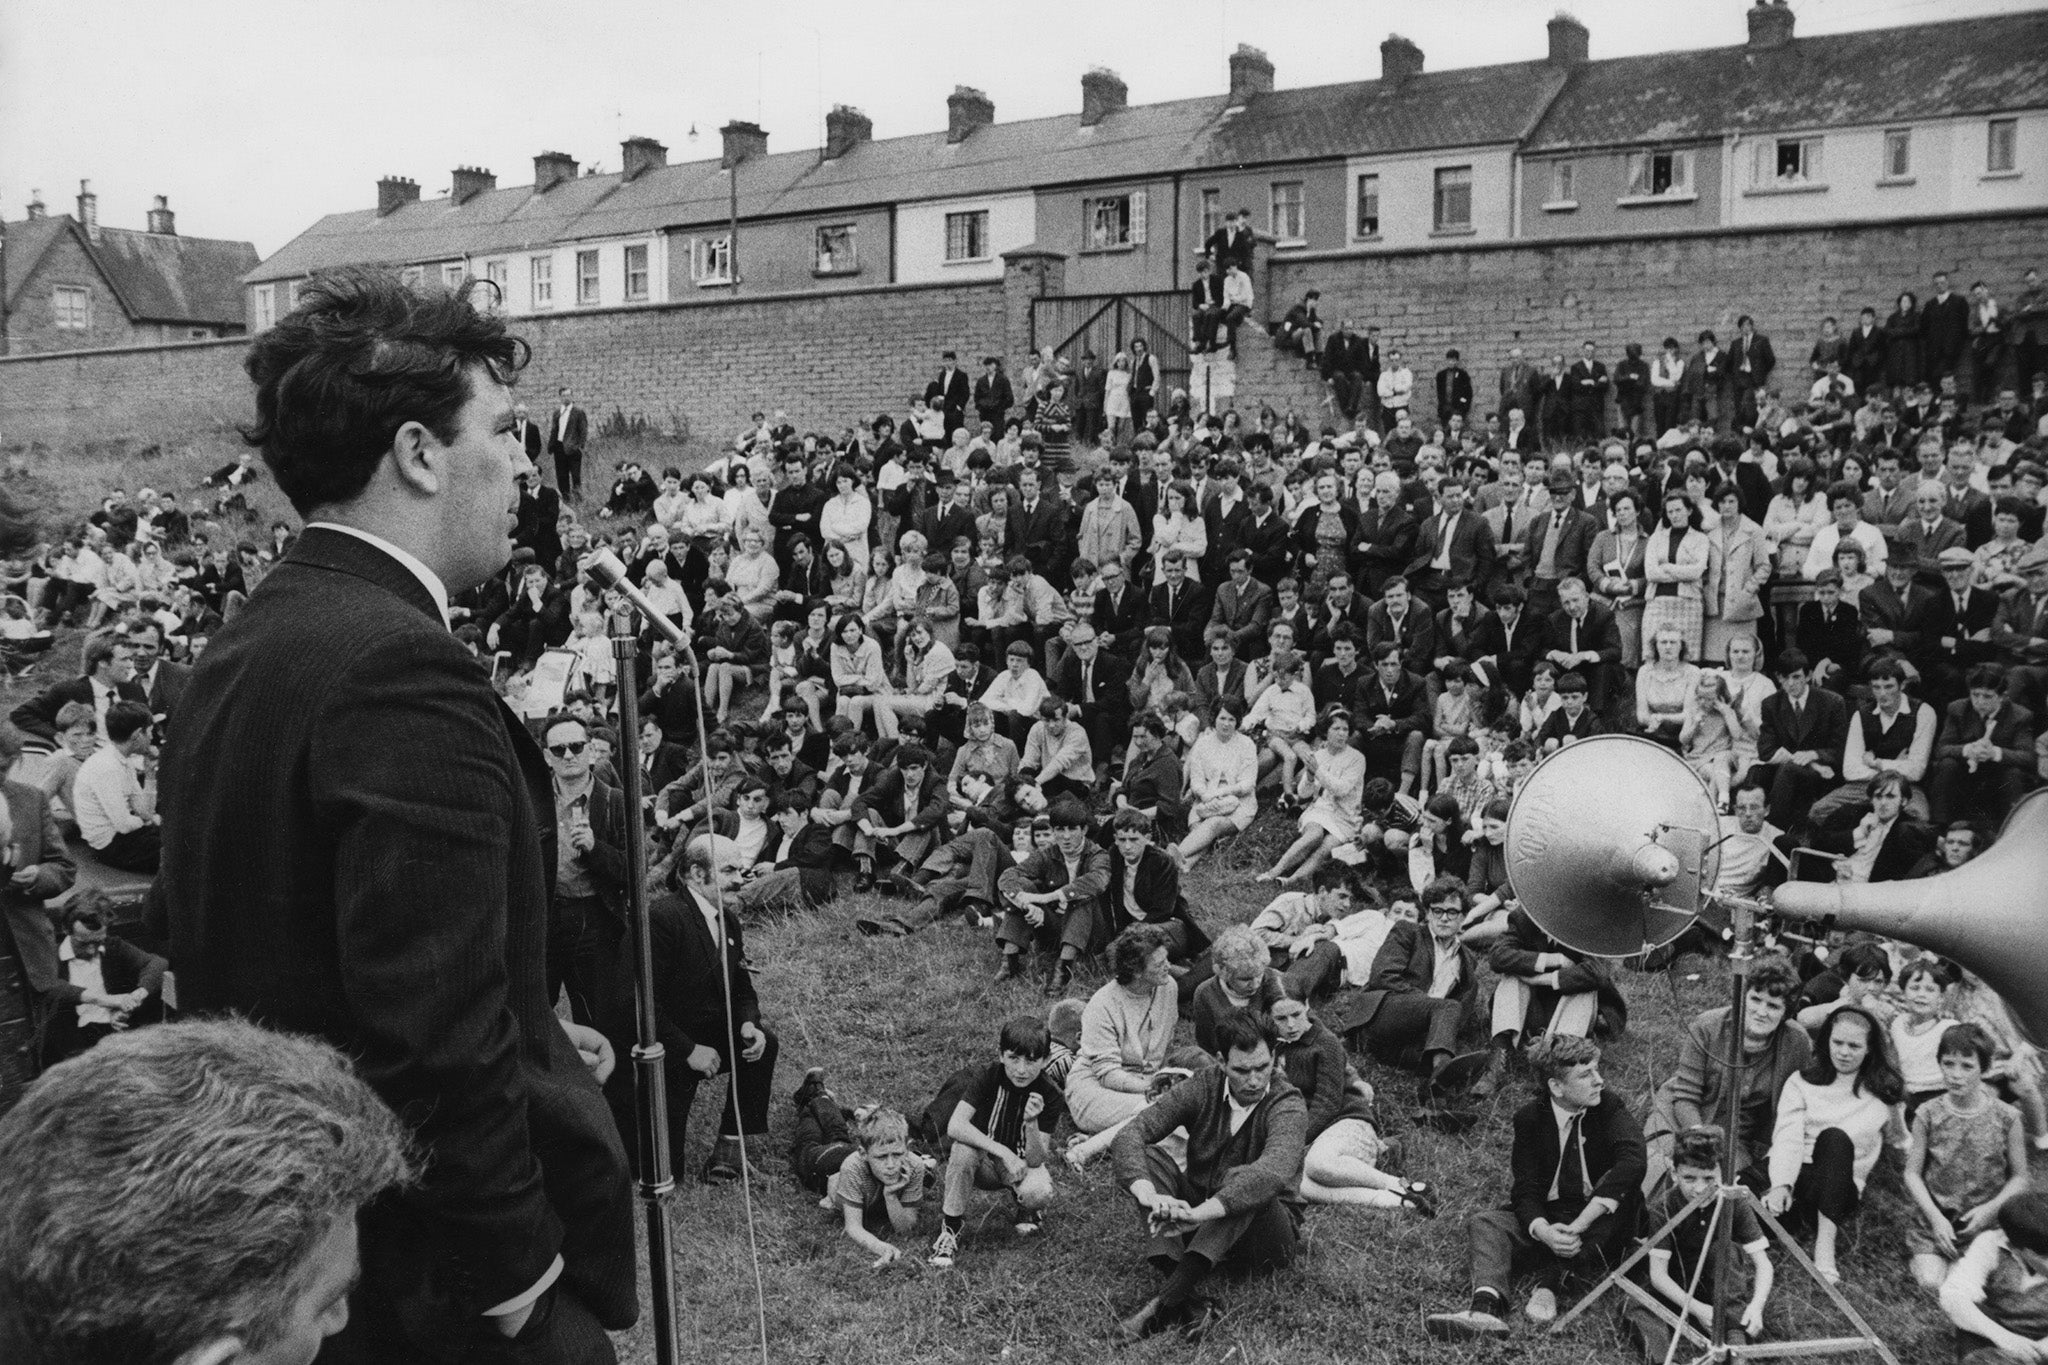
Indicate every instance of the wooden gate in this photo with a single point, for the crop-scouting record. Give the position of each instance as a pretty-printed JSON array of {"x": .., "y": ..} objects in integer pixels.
[{"x": 1108, "y": 323}]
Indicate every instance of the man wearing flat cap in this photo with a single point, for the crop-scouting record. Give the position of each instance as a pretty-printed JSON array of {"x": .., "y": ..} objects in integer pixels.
[{"x": 993, "y": 397}]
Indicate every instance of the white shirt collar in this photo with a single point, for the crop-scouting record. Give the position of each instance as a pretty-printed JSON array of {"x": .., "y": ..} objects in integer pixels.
[{"x": 429, "y": 580}]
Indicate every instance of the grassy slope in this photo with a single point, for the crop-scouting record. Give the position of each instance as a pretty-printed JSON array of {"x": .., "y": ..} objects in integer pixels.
[{"x": 890, "y": 1019}]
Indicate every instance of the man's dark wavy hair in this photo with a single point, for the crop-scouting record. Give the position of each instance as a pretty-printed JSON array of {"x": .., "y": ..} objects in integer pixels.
[{"x": 360, "y": 357}]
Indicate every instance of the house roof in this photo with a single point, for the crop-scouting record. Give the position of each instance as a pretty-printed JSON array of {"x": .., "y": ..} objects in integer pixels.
[
  {"x": 1468, "y": 107},
  {"x": 1919, "y": 71},
  {"x": 156, "y": 276}
]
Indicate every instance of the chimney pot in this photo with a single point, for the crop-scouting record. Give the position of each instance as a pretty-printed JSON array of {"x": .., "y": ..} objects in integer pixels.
[
  {"x": 1570, "y": 43},
  {"x": 36, "y": 207},
  {"x": 162, "y": 221},
  {"x": 1770, "y": 25},
  {"x": 1400, "y": 59},
  {"x": 639, "y": 155},
  {"x": 966, "y": 110},
  {"x": 846, "y": 128},
  {"x": 470, "y": 181},
  {"x": 88, "y": 210},
  {"x": 394, "y": 192},
  {"x": 551, "y": 169},
  {"x": 742, "y": 141},
  {"x": 1251, "y": 73},
  {"x": 1103, "y": 93}
]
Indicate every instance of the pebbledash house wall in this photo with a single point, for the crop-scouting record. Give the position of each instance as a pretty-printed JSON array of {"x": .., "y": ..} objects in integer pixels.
[{"x": 831, "y": 360}]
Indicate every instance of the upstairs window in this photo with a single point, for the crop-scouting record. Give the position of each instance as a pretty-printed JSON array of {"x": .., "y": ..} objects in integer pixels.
[
  {"x": 1898, "y": 153},
  {"x": 1788, "y": 162},
  {"x": 1368, "y": 206},
  {"x": 543, "y": 278},
  {"x": 1289, "y": 216},
  {"x": 1212, "y": 213},
  {"x": 1453, "y": 199},
  {"x": 1113, "y": 221},
  {"x": 967, "y": 236},
  {"x": 636, "y": 273},
  {"x": 586, "y": 277},
  {"x": 1654, "y": 175},
  {"x": 266, "y": 307},
  {"x": 1563, "y": 183},
  {"x": 2001, "y": 146},
  {"x": 711, "y": 260},
  {"x": 72, "y": 307},
  {"x": 497, "y": 274},
  {"x": 838, "y": 248}
]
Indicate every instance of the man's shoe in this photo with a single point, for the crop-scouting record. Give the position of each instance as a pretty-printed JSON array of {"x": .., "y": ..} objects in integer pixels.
[
  {"x": 881, "y": 928},
  {"x": 724, "y": 1166},
  {"x": 1470, "y": 1325},
  {"x": 1062, "y": 977},
  {"x": 1011, "y": 970},
  {"x": 1030, "y": 1222},
  {"x": 945, "y": 1249},
  {"x": 812, "y": 1087},
  {"x": 1489, "y": 1083},
  {"x": 900, "y": 882},
  {"x": 1541, "y": 1308},
  {"x": 1148, "y": 1321}
]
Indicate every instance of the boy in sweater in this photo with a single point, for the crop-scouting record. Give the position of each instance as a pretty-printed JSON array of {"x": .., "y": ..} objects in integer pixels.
[{"x": 1239, "y": 1197}]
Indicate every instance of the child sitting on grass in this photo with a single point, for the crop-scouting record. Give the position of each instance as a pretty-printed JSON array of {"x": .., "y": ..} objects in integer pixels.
[
  {"x": 1001, "y": 1123},
  {"x": 1063, "y": 1022},
  {"x": 868, "y": 1172},
  {"x": 1966, "y": 1159},
  {"x": 1696, "y": 1172},
  {"x": 1918, "y": 1031},
  {"x": 1997, "y": 1295},
  {"x": 1282, "y": 716}
]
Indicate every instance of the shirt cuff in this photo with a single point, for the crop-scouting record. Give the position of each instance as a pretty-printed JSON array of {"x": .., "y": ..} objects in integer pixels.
[{"x": 525, "y": 1300}]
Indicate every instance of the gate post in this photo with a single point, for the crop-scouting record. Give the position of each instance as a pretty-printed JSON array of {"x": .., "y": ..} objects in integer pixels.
[{"x": 1029, "y": 273}]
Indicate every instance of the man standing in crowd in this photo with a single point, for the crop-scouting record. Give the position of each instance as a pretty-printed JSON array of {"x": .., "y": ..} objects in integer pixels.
[
  {"x": 1145, "y": 382},
  {"x": 1705, "y": 385},
  {"x": 993, "y": 397},
  {"x": 950, "y": 392},
  {"x": 1945, "y": 330},
  {"x": 1750, "y": 362},
  {"x": 1344, "y": 367},
  {"x": 1586, "y": 394},
  {"x": 568, "y": 434},
  {"x": 1518, "y": 383},
  {"x": 1453, "y": 390},
  {"x": 529, "y": 434},
  {"x": 341, "y": 751}
]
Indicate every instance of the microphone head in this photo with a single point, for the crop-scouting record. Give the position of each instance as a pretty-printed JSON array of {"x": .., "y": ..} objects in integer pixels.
[{"x": 603, "y": 568}]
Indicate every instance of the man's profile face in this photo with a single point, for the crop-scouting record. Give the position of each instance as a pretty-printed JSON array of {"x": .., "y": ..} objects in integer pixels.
[
  {"x": 321, "y": 1307},
  {"x": 477, "y": 488}
]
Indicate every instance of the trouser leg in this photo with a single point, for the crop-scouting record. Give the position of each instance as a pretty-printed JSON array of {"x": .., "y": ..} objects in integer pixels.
[{"x": 1318, "y": 971}]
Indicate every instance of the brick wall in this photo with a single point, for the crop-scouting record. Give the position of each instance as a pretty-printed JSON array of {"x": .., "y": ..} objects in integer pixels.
[
  {"x": 831, "y": 360},
  {"x": 1548, "y": 298}
]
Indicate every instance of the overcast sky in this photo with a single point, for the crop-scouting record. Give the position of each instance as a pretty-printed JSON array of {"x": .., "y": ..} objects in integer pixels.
[{"x": 258, "y": 116}]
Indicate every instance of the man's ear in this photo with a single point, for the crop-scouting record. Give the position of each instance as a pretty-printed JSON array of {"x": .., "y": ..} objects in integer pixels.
[
  {"x": 416, "y": 456},
  {"x": 219, "y": 1351}
]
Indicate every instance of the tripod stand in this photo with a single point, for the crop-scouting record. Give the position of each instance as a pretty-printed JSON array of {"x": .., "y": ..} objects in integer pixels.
[{"x": 1714, "y": 1344}]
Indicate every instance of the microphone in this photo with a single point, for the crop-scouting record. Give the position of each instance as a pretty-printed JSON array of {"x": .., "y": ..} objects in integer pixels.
[{"x": 604, "y": 569}]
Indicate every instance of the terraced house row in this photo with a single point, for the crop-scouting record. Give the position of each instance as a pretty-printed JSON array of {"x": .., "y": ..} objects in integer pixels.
[{"x": 1886, "y": 125}]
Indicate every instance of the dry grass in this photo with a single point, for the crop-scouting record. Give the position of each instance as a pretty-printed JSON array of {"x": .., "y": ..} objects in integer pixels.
[{"x": 889, "y": 1019}]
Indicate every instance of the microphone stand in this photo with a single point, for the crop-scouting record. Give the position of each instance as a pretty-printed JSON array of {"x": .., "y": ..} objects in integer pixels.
[{"x": 650, "y": 1084}]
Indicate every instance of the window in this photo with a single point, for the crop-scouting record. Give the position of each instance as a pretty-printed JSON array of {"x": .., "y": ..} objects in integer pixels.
[
  {"x": 411, "y": 276},
  {"x": 1288, "y": 220},
  {"x": 711, "y": 260},
  {"x": 1454, "y": 199},
  {"x": 1562, "y": 188},
  {"x": 266, "y": 307},
  {"x": 838, "y": 252},
  {"x": 291, "y": 295},
  {"x": 1659, "y": 175},
  {"x": 636, "y": 273},
  {"x": 1113, "y": 221},
  {"x": 967, "y": 235},
  {"x": 498, "y": 274},
  {"x": 453, "y": 274},
  {"x": 2001, "y": 147},
  {"x": 1898, "y": 153},
  {"x": 586, "y": 277},
  {"x": 1788, "y": 162},
  {"x": 1368, "y": 206},
  {"x": 73, "y": 307},
  {"x": 543, "y": 268},
  {"x": 1212, "y": 213}
]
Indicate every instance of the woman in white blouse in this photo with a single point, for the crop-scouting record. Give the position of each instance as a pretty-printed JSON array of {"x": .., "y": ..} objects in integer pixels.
[
  {"x": 1833, "y": 1119},
  {"x": 1747, "y": 690},
  {"x": 927, "y": 668},
  {"x": 857, "y": 672},
  {"x": 847, "y": 515},
  {"x": 1178, "y": 526},
  {"x": 755, "y": 575},
  {"x": 1223, "y": 776},
  {"x": 705, "y": 516},
  {"x": 744, "y": 504}
]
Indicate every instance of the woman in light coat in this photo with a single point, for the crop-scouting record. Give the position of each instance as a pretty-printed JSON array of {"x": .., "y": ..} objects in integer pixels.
[
  {"x": 1614, "y": 570},
  {"x": 1178, "y": 526},
  {"x": 847, "y": 515},
  {"x": 1675, "y": 570},
  {"x": 1736, "y": 604}
]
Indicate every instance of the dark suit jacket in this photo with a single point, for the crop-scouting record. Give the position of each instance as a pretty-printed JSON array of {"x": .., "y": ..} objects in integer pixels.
[
  {"x": 1227, "y": 244},
  {"x": 1945, "y": 323},
  {"x": 2012, "y": 730},
  {"x": 1597, "y": 632},
  {"x": 1474, "y": 638},
  {"x": 1266, "y": 541},
  {"x": 539, "y": 513},
  {"x": 531, "y": 439},
  {"x": 1472, "y": 548},
  {"x": 359, "y": 844},
  {"x": 1924, "y": 549},
  {"x": 1159, "y": 897},
  {"x": 1416, "y": 634},
  {"x": 993, "y": 398},
  {"x": 38, "y": 715},
  {"x": 1574, "y": 542},
  {"x": 1609, "y": 1136},
  {"x": 1756, "y": 349},
  {"x": 1389, "y": 536},
  {"x": 1905, "y": 617},
  {"x": 1821, "y": 725},
  {"x": 167, "y": 686},
  {"x": 574, "y": 435},
  {"x": 1863, "y": 356},
  {"x": 1112, "y": 684},
  {"x": 1406, "y": 965},
  {"x": 1036, "y": 534},
  {"x": 691, "y": 977},
  {"x": 952, "y": 392},
  {"x": 1245, "y": 612},
  {"x": 1125, "y": 620},
  {"x": 1187, "y": 618},
  {"x": 1521, "y": 649},
  {"x": 1225, "y": 532},
  {"x": 1945, "y": 623}
]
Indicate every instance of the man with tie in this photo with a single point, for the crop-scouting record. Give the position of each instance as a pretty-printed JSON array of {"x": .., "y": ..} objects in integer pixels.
[
  {"x": 1119, "y": 614},
  {"x": 1958, "y": 626},
  {"x": 1182, "y": 607},
  {"x": 1889, "y": 502},
  {"x": 1145, "y": 382},
  {"x": 1750, "y": 362},
  {"x": 1800, "y": 743},
  {"x": 1704, "y": 385},
  {"x": 1096, "y": 691},
  {"x": 1454, "y": 545},
  {"x": 1578, "y": 1163},
  {"x": 1555, "y": 543},
  {"x": 1518, "y": 383},
  {"x": 1243, "y": 606},
  {"x": 568, "y": 434},
  {"x": 529, "y": 434},
  {"x": 1930, "y": 532},
  {"x": 1945, "y": 330},
  {"x": 1584, "y": 639},
  {"x": 950, "y": 392},
  {"x": 1586, "y": 393}
]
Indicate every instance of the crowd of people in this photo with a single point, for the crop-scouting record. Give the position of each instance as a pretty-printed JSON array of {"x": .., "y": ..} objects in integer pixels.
[{"x": 1028, "y": 672}]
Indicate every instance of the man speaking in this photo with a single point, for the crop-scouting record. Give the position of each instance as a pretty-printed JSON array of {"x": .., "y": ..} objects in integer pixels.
[{"x": 359, "y": 840}]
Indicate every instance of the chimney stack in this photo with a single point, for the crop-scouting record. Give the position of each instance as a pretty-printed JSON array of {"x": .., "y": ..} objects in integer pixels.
[
  {"x": 469, "y": 182},
  {"x": 742, "y": 142},
  {"x": 1770, "y": 25},
  {"x": 846, "y": 128},
  {"x": 1251, "y": 73},
  {"x": 551, "y": 169},
  {"x": 1400, "y": 59},
  {"x": 88, "y": 210},
  {"x": 1570, "y": 43},
  {"x": 394, "y": 192},
  {"x": 36, "y": 207},
  {"x": 1103, "y": 93},
  {"x": 639, "y": 155},
  {"x": 162, "y": 221},
  {"x": 966, "y": 110}
]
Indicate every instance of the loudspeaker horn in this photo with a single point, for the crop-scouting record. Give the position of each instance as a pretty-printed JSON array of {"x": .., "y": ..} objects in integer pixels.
[
  {"x": 1611, "y": 842},
  {"x": 1990, "y": 915}
]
